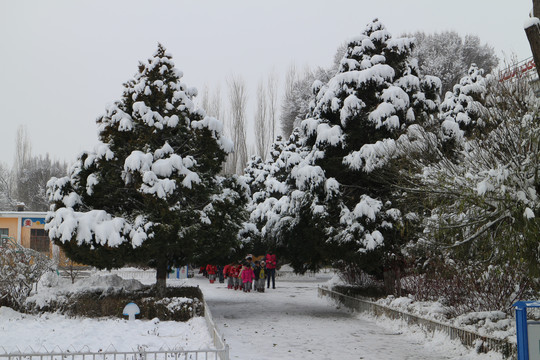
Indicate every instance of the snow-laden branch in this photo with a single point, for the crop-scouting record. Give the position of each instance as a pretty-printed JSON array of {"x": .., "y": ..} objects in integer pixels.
[{"x": 482, "y": 230}]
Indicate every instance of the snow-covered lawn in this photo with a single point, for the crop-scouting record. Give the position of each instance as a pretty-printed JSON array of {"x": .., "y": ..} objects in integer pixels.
[
  {"x": 50, "y": 331},
  {"x": 290, "y": 322}
]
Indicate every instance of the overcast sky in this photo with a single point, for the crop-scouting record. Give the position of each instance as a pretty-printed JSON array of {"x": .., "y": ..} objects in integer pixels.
[{"x": 62, "y": 62}]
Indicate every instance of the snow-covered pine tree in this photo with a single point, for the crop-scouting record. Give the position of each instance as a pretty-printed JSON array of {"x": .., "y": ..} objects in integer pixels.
[
  {"x": 148, "y": 192},
  {"x": 253, "y": 173},
  {"x": 463, "y": 110},
  {"x": 357, "y": 121},
  {"x": 267, "y": 185}
]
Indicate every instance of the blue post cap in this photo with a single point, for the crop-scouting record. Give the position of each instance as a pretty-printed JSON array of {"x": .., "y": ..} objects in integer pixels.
[
  {"x": 522, "y": 336},
  {"x": 526, "y": 304}
]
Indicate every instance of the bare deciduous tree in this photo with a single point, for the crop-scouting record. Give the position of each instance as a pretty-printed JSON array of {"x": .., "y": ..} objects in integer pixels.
[
  {"x": 6, "y": 188},
  {"x": 31, "y": 173},
  {"x": 214, "y": 108},
  {"x": 23, "y": 155},
  {"x": 238, "y": 104},
  {"x": 288, "y": 110},
  {"x": 205, "y": 99},
  {"x": 272, "y": 91},
  {"x": 23, "y": 149},
  {"x": 262, "y": 125}
]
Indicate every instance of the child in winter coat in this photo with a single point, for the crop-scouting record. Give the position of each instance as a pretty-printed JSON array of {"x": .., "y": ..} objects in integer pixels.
[
  {"x": 260, "y": 276},
  {"x": 227, "y": 275},
  {"x": 211, "y": 270},
  {"x": 247, "y": 275},
  {"x": 235, "y": 274}
]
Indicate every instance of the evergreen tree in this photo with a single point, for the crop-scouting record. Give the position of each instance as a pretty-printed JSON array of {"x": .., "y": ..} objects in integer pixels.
[
  {"x": 490, "y": 196},
  {"x": 149, "y": 193},
  {"x": 297, "y": 96},
  {"x": 357, "y": 122},
  {"x": 463, "y": 109},
  {"x": 271, "y": 191}
]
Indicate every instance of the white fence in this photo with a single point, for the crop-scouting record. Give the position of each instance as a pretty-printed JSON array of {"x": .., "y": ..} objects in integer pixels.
[
  {"x": 217, "y": 338},
  {"x": 116, "y": 355}
]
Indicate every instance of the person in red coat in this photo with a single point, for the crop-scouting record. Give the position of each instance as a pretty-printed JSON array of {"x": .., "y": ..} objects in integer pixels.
[
  {"x": 227, "y": 273},
  {"x": 271, "y": 262},
  {"x": 211, "y": 270},
  {"x": 234, "y": 273}
]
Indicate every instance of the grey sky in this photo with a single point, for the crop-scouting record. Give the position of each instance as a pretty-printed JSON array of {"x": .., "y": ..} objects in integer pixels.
[{"x": 63, "y": 61}]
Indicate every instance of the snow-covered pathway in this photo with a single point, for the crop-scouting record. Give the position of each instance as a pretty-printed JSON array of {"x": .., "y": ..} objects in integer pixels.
[{"x": 291, "y": 322}]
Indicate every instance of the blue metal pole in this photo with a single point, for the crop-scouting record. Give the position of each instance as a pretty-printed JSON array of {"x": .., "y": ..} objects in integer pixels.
[{"x": 521, "y": 332}]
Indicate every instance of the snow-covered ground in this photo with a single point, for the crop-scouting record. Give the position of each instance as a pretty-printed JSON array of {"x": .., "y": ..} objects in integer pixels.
[
  {"x": 292, "y": 322},
  {"x": 54, "y": 332},
  {"x": 289, "y": 322},
  {"x": 27, "y": 333}
]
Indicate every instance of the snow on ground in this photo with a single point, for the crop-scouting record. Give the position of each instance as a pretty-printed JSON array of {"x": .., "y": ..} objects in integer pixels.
[
  {"x": 495, "y": 324},
  {"x": 289, "y": 322},
  {"x": 29, "y": 333},
  {"x": 292, "y": 322}
]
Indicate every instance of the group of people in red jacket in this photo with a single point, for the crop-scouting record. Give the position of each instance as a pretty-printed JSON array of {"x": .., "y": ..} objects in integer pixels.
[{"x": 247, "y": 275}]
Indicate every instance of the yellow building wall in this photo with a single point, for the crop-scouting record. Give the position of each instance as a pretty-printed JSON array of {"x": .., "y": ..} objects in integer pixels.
[
  {"x": 25, "y": 233},
  {"x": 27, "y": 223},
  {"x": 11, "y": 224}
]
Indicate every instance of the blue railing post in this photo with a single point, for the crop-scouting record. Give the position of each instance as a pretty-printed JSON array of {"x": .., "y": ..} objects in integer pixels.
[{"x": 521, "y": 332}]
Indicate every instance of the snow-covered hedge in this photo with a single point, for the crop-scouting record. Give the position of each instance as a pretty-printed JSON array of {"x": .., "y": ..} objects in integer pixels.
[{"x": 20, "y": 270}]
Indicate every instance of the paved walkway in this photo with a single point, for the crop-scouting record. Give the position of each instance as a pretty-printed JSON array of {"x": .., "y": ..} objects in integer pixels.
[{"x": 292, "y": 322}]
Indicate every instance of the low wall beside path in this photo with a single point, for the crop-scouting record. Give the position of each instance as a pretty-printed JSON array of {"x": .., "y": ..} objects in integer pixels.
[{"x": 467, "y": 338}]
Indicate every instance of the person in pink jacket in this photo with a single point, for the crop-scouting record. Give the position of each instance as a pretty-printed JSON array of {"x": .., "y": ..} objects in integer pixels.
[{"x": 247, "y": 275}]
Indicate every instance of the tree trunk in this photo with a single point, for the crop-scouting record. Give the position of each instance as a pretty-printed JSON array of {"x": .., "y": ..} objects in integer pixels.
[
  {"x": 398, "y": 281},
  {"x": 536, "y": 8},
  {"x": 533, "y": 35},
  {"x": 161, "y": 278},
  {"x": 389, "y": 281}
]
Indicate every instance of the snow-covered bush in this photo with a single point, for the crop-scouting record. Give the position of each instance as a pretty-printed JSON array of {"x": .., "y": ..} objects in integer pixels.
[
  {"x": 20, "y": 270},
  {"x": 470, "y": 289}
]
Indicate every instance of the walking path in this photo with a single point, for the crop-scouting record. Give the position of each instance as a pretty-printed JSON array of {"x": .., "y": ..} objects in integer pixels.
[{"x": 292, "y": 322}]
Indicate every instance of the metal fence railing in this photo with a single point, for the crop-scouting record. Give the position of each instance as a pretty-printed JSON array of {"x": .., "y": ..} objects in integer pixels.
[
  {"x": 217, "y": 338},
  {"x": 467, "y": 338},
  {"x": 116, "y": 355}
]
